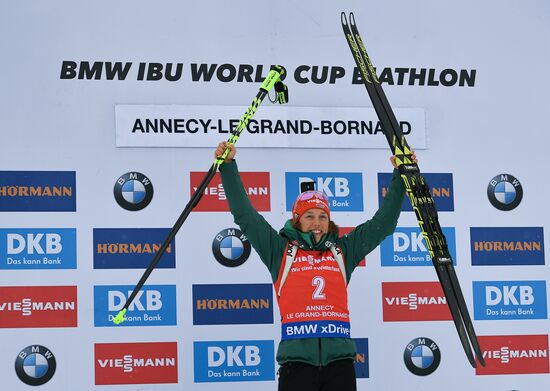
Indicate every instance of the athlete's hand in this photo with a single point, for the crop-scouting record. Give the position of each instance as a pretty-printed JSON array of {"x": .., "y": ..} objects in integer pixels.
[
  {"x": 221, "y": 149},
  {"x": 413, "y": 156}
]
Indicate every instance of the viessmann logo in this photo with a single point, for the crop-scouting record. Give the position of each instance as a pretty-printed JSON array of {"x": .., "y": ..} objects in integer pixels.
[
  {"x": 441, "y": 189},
  {"x": 136, "y": 363},
  {"x": 131, "y": 248},
  {"x": 501, "y": 300},
  {"x": 45, "y": 248},
  {"x": 344, "y": 189},
  {"x": 406, "y": 247},
  {"x": 38, "y": 306},
  {"x": 514, "y": 354},
  {"x": 154, "y": 305},
  {"x": 507, "y": 245},
  {"x": 414, "y": 301},
  {"x": 37, "y": 191},
  {"x": 256, "y": 185},
  {"x": 232, "y": 304}
]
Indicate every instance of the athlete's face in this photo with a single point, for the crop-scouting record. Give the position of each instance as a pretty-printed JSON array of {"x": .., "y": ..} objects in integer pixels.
[{"x": 314, "y": 221}]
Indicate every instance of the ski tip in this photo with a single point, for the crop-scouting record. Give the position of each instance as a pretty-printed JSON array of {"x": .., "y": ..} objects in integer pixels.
[
  {"x": 352, "y": 18},
  {"x": 343, "y": 18},
  {"x": 120, "y": 317}
]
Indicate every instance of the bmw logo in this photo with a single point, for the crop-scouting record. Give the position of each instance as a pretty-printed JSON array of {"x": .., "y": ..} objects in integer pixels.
[
  {"x": 133, "y": 191},
  {"x": 422, "y": 356},
  {"x": 504, "y": 192},
  {"x": 230, "y": 247},
  {"x": 35, "y": 365}
]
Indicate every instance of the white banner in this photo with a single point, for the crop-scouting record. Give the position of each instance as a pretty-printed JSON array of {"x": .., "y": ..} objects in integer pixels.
[
  {"x": 86, "y": 201},
  {"x": 280, "y": 127}
]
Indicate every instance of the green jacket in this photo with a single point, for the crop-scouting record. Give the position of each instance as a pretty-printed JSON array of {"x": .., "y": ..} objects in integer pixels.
[{"x": 270, "y": 246}]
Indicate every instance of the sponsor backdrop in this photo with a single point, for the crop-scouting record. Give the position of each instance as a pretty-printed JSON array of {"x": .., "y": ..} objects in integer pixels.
[{"x": 109, "y": 116}]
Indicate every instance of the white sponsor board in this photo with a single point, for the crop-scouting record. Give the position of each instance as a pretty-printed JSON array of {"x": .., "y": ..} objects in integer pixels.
[
  {"x": 76, "y": 79},
  {"x": 279, "y": 127}
]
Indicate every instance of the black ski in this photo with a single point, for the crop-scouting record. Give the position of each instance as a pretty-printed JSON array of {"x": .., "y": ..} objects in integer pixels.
[{"x": 419, "y": 194}]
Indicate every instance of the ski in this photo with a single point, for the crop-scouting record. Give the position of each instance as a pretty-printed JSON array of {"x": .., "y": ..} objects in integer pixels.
[
  {"x": 273, "y": 79},
  {"x": 419, "y": 194}
]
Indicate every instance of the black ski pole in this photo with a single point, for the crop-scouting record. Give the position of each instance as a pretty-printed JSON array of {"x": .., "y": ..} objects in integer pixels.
[{"x": 272, "y": 79}]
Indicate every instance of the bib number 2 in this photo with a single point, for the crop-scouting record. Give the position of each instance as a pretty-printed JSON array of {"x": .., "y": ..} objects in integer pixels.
[{"x": 319, "y": 284}]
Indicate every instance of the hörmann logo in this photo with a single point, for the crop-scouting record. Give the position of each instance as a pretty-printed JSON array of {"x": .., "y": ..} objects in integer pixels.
[
  {"x": 154, "y": 305},
  {"x": 344, "y": 189},
  {"x": 136, "y": 363},
  {"x": 414, "y": 301},
  {"x": 234, "y": 361},
  {"x": 514, "y": 354},
  {"x": 507, "y": 245},
  {"x": 502, "y": 300},
  {"x": 406, "y": 247},
  {"x": 37, "y": 191},
  {"x": 44, "y": 248},
  {"x": 256, "y": 185},
  {"x": 232, "y": 304},
  {"x": 38, "y": 306},
  {"x": 131, "y": 248},
  {"x": 441, "y": 189}
]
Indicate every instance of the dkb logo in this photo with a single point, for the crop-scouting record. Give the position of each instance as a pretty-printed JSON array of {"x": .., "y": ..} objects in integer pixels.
[
  {"x": 229, "y": 361},
  {"x": 502, "y": 300},
  {"x": 24, "y": 248},
  {"x": 406, "y": 247},
  {"x": 154, "y": 305},
  {"x": 344, "y": 189}
]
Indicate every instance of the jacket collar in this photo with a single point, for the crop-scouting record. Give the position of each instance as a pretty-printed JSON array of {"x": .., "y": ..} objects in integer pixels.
[{"x": 305, "y": 240}]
